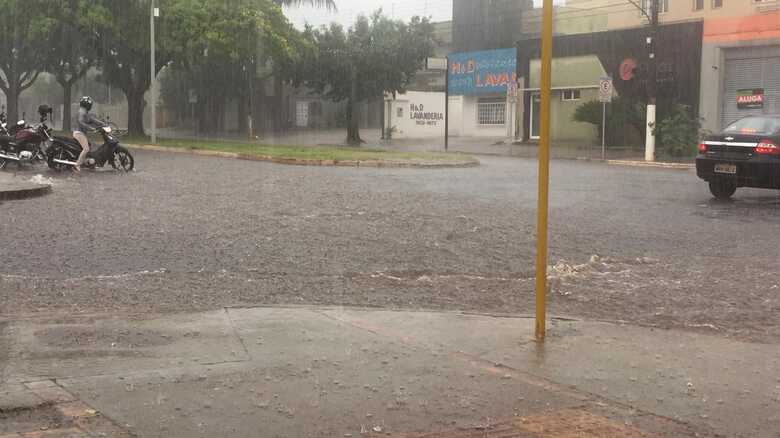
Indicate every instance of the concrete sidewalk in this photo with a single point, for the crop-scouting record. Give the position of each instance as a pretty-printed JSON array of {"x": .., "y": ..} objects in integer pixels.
[
  {"x": 333, "y": 372},
  {"x": 15, "y": 188}
]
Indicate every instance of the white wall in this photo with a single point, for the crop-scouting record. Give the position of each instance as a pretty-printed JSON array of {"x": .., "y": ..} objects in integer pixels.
[
  {"x": 417, "y": 115},
  {"x": 456, "y": 116}
]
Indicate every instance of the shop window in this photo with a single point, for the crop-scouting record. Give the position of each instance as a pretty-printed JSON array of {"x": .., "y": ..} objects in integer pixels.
[
  {"x": 570, "y": 95},
  {"x": 491, "y": 111}
]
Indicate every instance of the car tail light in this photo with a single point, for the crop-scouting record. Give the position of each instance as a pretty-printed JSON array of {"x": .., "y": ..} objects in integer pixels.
[
  {"x": 702, "y": 147},
  {"x": 766, "y": 147}
]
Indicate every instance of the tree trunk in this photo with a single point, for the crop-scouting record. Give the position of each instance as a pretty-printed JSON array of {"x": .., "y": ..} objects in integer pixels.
[
  {"x": 279, "y": 112},
  {"x": 67, "y": 94},
  {"x": 243, "y": 114},
  {"x": 13, "y": 101},
  {"x": 353, "y": 122},
  {"x": 259, "y": 110},
  {"x": 135, "y": 112}
]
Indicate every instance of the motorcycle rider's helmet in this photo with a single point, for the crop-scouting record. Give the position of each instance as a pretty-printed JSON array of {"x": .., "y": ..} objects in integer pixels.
[
  {"x": 86, "y": 103},
  {"x": 44, "y": 110}
]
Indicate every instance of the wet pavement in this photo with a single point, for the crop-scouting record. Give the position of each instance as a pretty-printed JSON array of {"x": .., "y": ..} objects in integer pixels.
[
  {"x": 334, "y": 372},
  {"x": 647, "y": 246},
  {"x": 13, "y": 187}
]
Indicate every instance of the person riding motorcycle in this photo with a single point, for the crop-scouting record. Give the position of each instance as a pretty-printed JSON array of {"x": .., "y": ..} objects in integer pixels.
[{"x": 87, "y": 122}]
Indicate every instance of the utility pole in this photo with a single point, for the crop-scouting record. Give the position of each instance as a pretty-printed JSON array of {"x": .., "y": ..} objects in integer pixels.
[
  {"x": 447, "y": 103},
  {"x": 652, "y": 85},
  {"x": 153, "y": 13},
  {"x": 544, "y": 172}
]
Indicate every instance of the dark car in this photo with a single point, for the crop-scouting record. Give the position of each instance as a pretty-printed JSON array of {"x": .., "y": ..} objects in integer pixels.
[{"x": 745, "y": 154}]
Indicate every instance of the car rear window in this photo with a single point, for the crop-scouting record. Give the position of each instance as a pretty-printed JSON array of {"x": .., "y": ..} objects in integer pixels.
[{"x": 755, "y": 125}]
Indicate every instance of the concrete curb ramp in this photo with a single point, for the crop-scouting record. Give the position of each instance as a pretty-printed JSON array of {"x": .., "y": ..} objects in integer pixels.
[
  {"x": 306, "y": 162},
  {"x": 10, "y": 190}
]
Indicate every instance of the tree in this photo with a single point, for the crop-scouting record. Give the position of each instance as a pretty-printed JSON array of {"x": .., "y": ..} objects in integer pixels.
[
  {"x": 222, "y": 53},
  {"x": 327, "y": 4},
  {"x": 22, "y": 56},
  {"x": 72, "y": 50},
  {"x": 375, "y": 56},
  {"x": 191, "y": 34},
  {"x": 126, "y": 49}
]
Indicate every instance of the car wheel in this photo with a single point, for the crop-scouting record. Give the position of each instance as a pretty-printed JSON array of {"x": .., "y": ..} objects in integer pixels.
[{"x": 723, "y": 188}]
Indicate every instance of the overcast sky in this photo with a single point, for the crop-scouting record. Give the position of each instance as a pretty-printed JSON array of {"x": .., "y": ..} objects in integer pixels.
[{"x": 348, "y": 10}]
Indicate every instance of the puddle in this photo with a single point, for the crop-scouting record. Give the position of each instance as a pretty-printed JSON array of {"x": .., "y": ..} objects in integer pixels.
[{"x": 74, "y": 337}]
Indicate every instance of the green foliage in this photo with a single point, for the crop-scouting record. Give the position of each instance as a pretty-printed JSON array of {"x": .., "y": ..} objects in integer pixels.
[
  {"x": 622, "y": 113},
  {"x": 678, "y": 132},
  {"x": 23, "y": 47},
  {"x": 376, "y": 55}
]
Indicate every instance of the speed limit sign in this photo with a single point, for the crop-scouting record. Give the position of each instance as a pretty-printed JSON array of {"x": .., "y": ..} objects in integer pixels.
[{"x": 605, "y": 89}]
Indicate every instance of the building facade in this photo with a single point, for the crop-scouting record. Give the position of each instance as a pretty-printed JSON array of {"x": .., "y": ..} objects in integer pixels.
[{"x": 740, "y": 50}]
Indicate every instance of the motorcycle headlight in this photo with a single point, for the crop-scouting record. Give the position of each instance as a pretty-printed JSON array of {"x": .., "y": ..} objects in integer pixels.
[{"x": 107, "y": 129}]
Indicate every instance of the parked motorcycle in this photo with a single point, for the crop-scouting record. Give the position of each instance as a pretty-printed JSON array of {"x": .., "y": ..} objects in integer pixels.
[
  {"x": 64, "y": 152},
  {"x": 24, "y": 144},
  {"x": 4, "y": 124}
]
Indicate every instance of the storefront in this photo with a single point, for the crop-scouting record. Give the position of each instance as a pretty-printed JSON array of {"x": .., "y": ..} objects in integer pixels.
[
  {"x": 415, "y": 114},
  {"x": 740, "y": 68},
  {"x": 574, "y": 82},
  {"x": 580, "y": 60},
  {"x": 478, "y": 85}
]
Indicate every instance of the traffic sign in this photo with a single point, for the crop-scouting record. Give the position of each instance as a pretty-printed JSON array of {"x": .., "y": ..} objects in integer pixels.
[
  {"x": 436, "y": 64},
  {"x": 605, "y": 89}
]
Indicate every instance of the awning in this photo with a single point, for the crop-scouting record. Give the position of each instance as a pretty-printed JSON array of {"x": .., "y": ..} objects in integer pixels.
[{"x": 572, "y": 72}]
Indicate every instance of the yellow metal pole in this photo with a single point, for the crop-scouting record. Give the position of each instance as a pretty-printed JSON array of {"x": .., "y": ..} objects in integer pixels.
[{"x": 544, "y": 172}]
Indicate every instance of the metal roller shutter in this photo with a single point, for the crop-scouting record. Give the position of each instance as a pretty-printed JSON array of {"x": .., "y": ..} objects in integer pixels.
[{"x": 747, "y": 70}]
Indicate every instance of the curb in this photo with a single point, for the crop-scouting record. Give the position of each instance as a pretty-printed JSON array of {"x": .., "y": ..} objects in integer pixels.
[
  {"x": 661, "y": 165},
  {"x": 77, "y": 417},
  {"x": 306, "y": 162},
  {"x": 24, "y": 193}
]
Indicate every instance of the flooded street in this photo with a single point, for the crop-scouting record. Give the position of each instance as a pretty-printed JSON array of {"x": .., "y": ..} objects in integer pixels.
[{"x": 182, "y": 233}]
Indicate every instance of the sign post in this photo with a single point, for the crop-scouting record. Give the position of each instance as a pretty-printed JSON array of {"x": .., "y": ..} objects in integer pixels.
[
  {"x": 605, "y": 96},
  {"x": 511, "y": 93}
]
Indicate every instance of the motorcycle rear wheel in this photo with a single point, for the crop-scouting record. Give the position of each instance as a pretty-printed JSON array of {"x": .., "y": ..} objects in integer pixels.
[
  {"x": 59, "y": 154},
  {"x": 123, "y": 160}
]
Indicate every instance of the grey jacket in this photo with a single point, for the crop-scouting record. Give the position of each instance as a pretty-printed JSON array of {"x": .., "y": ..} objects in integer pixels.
[{"x": 87, "y": 122}]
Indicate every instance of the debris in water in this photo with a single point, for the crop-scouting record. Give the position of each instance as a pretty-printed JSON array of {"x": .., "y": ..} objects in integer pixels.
[{"x": 42, "y": 180}]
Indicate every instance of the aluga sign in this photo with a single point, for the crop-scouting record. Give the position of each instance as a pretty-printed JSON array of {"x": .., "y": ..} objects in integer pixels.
[{"x": 750, "y": 99}]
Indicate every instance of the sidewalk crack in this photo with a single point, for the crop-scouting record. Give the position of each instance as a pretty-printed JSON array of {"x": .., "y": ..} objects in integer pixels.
[{"x": 247, "y": 354}]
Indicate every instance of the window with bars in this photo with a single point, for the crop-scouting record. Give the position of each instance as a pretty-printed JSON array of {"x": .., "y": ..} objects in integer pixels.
[
  {"x": 570, "y": 95},
  {"x": 491, "y": 111}
]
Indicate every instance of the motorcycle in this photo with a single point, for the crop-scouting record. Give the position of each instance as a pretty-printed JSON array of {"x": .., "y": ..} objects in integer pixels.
[
  {"x": 23, "y": 143},
  {"x": 64, "y": 152},
  {"x": 4, "y": 124}
]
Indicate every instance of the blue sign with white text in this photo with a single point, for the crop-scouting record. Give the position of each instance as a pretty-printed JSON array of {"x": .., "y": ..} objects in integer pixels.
[{"x": 486, "y": 72}]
